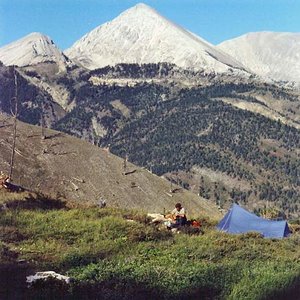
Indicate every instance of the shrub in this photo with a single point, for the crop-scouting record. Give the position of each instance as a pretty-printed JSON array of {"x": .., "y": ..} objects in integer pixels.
[
  {"x": 6, "y": 254},
  {"x": 11, "y": 234}
]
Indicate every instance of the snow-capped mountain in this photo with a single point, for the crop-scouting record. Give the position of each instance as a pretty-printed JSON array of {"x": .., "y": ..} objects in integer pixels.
[
  {"x": 142, "y": 35},
  {"x": 269, "y": 54},
  {"x": 30, "y": 50}
]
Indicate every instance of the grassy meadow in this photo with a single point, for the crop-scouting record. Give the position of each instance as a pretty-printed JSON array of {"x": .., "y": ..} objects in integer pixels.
[{"x": 118, "y": 254}]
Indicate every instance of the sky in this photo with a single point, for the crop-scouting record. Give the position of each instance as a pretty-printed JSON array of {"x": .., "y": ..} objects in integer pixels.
[{"x": 65, "y": 21}]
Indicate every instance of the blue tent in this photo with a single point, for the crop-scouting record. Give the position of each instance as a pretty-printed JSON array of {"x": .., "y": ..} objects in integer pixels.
[{"x": 239, "y": 220}]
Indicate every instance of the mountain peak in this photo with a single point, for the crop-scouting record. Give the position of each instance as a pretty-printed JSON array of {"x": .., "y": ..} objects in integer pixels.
[
  {"x": 269, "y": 54},
  {"x": 141, "y": 35},
  {"x": 141, "y": 12},
  {"x": 33, "y": 37},
  {"x": 37, "y": 35},
  {"x": 32, "y": 49},
  {"x": 142, "y": 6}
]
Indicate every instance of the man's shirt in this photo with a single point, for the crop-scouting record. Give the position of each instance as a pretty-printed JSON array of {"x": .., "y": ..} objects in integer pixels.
[{"x": 180, "y": 212}]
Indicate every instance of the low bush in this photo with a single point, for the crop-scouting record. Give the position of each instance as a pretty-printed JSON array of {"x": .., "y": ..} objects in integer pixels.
[{"x": 6, "y": 254}]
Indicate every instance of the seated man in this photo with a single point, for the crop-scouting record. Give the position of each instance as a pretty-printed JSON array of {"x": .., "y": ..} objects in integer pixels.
[{"x": 179, "y": 216}]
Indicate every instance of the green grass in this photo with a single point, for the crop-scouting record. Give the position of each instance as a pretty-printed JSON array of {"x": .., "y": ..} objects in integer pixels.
[{"x": 116, "y": 253}]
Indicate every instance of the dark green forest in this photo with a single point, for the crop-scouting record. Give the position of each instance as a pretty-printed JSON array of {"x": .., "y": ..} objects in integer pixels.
[{"x": 168, "y": 132}]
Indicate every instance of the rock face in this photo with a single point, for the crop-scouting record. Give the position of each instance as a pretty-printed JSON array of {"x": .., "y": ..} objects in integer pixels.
[
  {"x": 33, "y": 49},
  {"x": 142, "y": 35},
  {"x": 269, "y": 54}
]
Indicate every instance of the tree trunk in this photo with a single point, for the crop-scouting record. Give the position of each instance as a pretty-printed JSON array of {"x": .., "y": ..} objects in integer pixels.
[
  {"x": 14, "y": 113},
  {"x": 43, "y": 136}
]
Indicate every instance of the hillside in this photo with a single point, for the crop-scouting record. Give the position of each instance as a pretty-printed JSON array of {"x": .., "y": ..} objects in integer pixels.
[
  {"x": 227, "y": 139},
  {"x": 35, "y": 104},
  {"x": 66, "y": 167},
  {"x": 118, "y": 254}
]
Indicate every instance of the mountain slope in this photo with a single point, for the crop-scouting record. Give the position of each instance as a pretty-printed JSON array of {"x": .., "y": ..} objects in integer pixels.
[
  {"x": 270, "y": 54},
  {"x": 213, "y": 139},
  {"x": 141, "y": 35},
  {"x": 32, "y": 49},
  {"x": 34, "y": 103},
  {"x": 69, "y": 167}
]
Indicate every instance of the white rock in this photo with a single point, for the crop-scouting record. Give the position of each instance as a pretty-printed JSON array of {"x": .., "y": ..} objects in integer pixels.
[{"x": 44, "y": 275}]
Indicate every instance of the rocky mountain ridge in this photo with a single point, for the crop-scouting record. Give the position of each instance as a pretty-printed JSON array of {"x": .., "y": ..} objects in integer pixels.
[
  {"x": 274, "y": 55},
  {"x": 141, "y": 35},
  {"x": 33, "y": 49}
]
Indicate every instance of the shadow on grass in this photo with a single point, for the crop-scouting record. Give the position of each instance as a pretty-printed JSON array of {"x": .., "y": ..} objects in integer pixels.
[
  {"x": 13, "y": 286},
  {"x": 115, "y": 288},
  {"x": 13, "y": 280},
  {"x": 32, "y": 203},
  {"x": 292, "y": 292}
]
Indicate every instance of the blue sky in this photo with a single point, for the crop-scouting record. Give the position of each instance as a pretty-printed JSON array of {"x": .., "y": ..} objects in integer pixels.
[{"x": 65, "y": 21}]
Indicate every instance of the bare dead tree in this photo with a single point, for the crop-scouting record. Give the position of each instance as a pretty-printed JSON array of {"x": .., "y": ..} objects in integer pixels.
[
  {"x": 43, "y": 136},
  {"x": 125, "y": 164},
  {"x": 14, "y": 113},
  {"x": 171, "y": 185}
]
